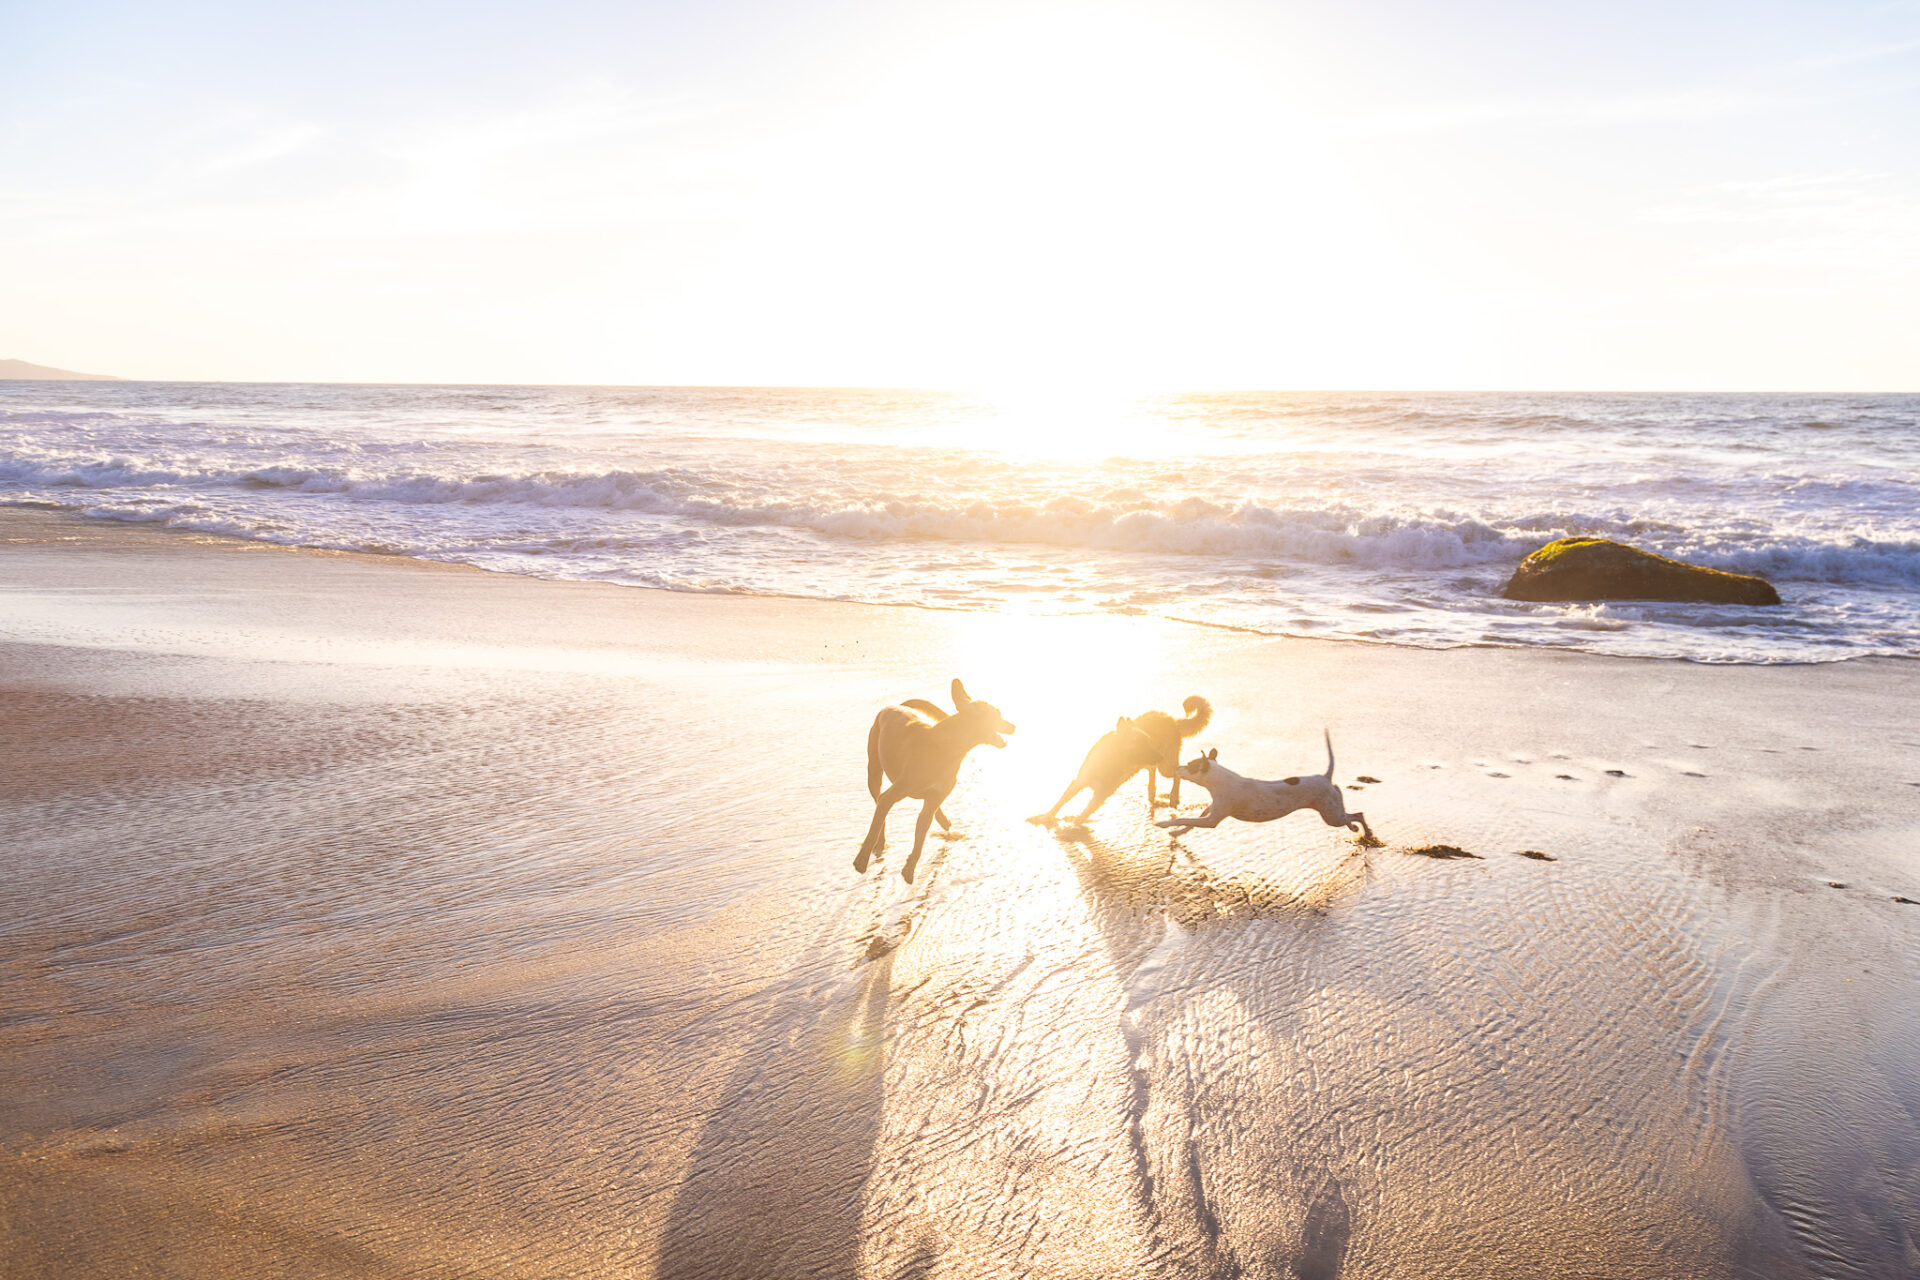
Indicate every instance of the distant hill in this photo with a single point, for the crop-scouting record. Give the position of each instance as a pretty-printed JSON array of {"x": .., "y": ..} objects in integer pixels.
[{"x": 41, "y": 373}]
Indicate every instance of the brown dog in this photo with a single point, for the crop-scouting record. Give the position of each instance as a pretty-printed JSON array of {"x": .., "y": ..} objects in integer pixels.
[
  {"x": 1150, "y": 742},
  {"x": 1167, "y": 734},
  {"x": 919, "y": 748},
  {"x": 1112, "y": 760}
]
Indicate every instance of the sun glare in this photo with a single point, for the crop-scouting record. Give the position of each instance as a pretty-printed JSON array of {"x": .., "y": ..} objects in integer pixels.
[
  {"x": 1076, "y": 200},
  {"x": 1066, "y": 422},
  {"x": 1062, "y": 680}
]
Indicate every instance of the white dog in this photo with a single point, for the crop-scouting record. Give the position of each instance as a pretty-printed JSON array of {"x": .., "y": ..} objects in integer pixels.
[{"x": 1251, "y": 800}]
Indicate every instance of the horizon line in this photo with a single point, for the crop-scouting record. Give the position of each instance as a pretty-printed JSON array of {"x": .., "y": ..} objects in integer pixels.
[{"x": 978, "y": 391}]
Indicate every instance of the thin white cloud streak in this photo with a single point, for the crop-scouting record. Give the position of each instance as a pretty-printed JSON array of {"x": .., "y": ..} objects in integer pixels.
[
  {"x": 1864, "y": 222},
  {"x": 1861, "y": 56},
  {"x": 266, "y": 144},
  {"x": 1553, "y": 114},
  {"x": 595, "y": 157}
]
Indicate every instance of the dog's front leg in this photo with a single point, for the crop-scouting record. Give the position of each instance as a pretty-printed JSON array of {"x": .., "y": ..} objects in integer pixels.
[
  {"x": 877, "y": 832},
  {"x": 920, "y": 836},
  {"x": 1211, "y": 818},
  {"x": 1153, "y": 791}
]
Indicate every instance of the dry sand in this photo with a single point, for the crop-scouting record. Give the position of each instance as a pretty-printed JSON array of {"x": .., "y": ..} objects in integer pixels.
[{"x": 363, "y": 917}]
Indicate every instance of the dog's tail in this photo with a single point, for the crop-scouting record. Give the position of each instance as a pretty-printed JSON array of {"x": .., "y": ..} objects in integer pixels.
[
  {"x": 921, "y": 704},
  {"x": 1199, "y": 715},
  {"x": 1329, "y": 738}
]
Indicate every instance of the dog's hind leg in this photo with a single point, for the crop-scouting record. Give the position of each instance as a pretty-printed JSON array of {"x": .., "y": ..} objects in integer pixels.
[
  {"x": 1095, "y": 800},
  {"x": 1340, "y": 817},
  {"x": 877, "y": 832},
  {"x": 940, "y": 816},
  {"x": 1153, "y": 791},
  {"x": 1046, "y": 819},
  {"x": 875, "y": 772}
]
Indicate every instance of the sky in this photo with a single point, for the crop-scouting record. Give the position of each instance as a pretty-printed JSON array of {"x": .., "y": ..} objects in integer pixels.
[{"x": 978, "y": 195}]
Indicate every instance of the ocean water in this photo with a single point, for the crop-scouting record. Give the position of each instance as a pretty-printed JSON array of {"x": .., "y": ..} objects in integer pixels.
[{"x": 1391, "y": 518}]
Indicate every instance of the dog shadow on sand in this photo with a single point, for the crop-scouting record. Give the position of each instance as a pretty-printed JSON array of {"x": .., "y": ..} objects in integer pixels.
[
  {"x": 887, "y": 921},
  {"x": 1152, "y": 879},
  {"x": 1138, "y": 897}
]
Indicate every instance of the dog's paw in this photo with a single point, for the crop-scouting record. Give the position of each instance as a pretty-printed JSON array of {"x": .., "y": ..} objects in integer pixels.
[{"x": 1042, "y": 819}]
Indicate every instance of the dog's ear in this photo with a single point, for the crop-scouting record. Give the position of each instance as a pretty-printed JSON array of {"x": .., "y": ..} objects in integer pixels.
[
  {"x": 1122, "y": 725},
  {"x": 1214, "y": 754},
  {"x": 960, "y": 698}
]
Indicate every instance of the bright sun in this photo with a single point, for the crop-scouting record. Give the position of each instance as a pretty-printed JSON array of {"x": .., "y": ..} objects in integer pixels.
[
  {"x": 1075, "y": 199},
  {"x": 1068, "y": 422}
]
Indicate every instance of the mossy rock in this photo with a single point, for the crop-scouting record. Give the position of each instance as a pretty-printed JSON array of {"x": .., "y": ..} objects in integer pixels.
[{"x": 1599, "y": 569}]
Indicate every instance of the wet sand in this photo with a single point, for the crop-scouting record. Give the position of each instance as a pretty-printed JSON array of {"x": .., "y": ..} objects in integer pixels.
[{"x": 366, "y": 917}]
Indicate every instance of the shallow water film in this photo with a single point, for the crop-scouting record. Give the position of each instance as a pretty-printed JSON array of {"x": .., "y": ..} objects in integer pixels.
[{"x": 557, "y": 964}]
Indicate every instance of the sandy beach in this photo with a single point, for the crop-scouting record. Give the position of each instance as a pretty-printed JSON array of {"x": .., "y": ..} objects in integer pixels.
[{"x": 365, "y": 917}]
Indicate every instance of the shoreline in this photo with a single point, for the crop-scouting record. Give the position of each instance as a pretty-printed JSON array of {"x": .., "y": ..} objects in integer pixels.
[{"x": 370, "y": 916}]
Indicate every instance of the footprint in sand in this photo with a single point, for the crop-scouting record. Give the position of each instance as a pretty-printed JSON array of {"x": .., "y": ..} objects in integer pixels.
[
  {"x": 1688, "y": 773},
  {"x": 1566, "y": 777},
  {"x": 1836, "y": 884},
  {"x": 1366, "y": 778},
  {"x": 1538, "y": 856},
  {"x": 1618, "y": 773},
  {"x": 1443, "y": 851},
  {"x": 1909, "y": 901}
]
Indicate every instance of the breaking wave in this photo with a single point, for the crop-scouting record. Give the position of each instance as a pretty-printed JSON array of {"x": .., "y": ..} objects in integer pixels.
[
  {"x": 1387, "y": 518},
  {"x": 1336, "y": 534}
]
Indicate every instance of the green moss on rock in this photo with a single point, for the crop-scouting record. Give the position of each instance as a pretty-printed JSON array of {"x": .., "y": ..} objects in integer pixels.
[
  {"x": 1573, "y": 569},
  {"x": 1559, "y": 547}
]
